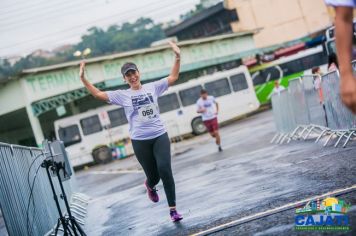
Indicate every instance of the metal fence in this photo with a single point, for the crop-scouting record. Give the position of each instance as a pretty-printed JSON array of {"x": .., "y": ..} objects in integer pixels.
[
  {"x": 26, "y": 199},
  {"x": 311, "y": 107}
]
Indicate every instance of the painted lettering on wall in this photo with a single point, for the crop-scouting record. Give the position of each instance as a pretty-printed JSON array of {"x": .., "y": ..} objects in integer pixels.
[{"x": 51, "y": 81}]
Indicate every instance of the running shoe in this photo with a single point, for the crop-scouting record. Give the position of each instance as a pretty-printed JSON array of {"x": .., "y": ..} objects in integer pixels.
[
  {"x": 152, "y": 193},
  {"x": 175, "y": 216},
  {"x": 220, "y": 149}
]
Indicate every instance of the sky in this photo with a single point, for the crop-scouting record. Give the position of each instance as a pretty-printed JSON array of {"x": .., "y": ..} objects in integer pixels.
[{"x": 27, "y": 25}]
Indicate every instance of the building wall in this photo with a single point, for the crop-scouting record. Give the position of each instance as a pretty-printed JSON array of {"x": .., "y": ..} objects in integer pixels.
[
  {"x": 11, "y": 97},
  {"x": 279, "y": 20}
]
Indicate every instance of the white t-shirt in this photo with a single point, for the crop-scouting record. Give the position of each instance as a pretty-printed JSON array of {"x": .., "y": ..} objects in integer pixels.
[
  {"x": 345, "y": 3},
  {"x": 317, "y": 83},
  {"x": 210, "y": 105},
  {"x": 278, "y": 90},
  {"x": 141, "y": 109}
]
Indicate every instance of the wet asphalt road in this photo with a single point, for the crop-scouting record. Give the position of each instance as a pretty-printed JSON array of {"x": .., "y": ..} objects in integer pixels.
[{"x": 249, "y": 176}]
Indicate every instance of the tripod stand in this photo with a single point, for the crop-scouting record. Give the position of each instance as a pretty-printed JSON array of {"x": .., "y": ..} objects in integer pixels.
[{"x": 69, "y": 224}]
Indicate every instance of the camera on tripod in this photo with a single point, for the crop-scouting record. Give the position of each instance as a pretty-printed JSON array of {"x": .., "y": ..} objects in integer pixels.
[
  {"x": 57, "y": 165},
  {"x": 56, "y": 157}
]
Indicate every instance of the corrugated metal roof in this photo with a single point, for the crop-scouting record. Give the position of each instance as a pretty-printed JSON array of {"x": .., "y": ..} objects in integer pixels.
[{"x": 195, "y": 19}]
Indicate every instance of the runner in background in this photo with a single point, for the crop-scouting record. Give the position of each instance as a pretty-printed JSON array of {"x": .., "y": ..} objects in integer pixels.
[
  {"x": 209, "y": 109},
  {"x": 277, "y": 89}
]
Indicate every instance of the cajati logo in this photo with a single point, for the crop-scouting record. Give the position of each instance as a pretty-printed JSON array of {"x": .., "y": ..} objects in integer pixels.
[{"x": 328, "y": 214}]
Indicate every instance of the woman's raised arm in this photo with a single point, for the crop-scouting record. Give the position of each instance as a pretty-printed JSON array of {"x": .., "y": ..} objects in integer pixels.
[{"x": 101, "y": 95}]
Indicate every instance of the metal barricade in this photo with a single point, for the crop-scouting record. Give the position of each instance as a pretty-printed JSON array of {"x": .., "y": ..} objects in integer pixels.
[
  {"x": 26, "y": 199},
  {"x": 283, "y": 114},
  {"x": 313, "y": 104},
  {"x": 340, "y": 120},
  {"x": 277, "y": 114},
  {"x": 298, "y": 102},
  {"x": 314, "y": 98},
  {"x": 299, "y": 107}
]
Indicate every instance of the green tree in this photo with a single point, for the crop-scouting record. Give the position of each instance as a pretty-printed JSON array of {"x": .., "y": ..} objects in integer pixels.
[
  {"x": 129, "y": 36},
  {"x": 5, "y": 70}
]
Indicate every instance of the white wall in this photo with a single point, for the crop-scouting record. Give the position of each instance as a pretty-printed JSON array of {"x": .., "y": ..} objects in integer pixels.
[{"x": 11, "y": 97}]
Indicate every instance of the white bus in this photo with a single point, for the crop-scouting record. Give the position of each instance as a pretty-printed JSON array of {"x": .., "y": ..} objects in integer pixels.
[{"x": 233, "y": 90}]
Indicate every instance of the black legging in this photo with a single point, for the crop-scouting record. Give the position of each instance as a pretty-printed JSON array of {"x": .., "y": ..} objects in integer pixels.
[{"x": 154, "y": 156}]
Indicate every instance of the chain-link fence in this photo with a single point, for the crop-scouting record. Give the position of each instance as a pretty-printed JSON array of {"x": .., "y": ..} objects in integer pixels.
[
  {"x": 26, "y": 199},
  {"x": 312, "y": 108}
]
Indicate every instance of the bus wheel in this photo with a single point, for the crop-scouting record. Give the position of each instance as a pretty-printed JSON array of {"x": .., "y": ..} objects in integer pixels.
[
  {"x": 102, "y": 155},
  {"x": 198, "y": 126}
]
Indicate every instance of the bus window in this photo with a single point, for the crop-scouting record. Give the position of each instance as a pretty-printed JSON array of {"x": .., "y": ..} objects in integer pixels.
[
  {"x": 190, "y": 96},
  {"x": 310, "y": 61},
  {"x": 292, "y": 67},
  {"x": 218, "y": 88},
  {"x": 69, "y": 135},
  {"x": 238, "y": 82},
  {"x": 168, "y": 102},
  {"x": 267, "y": 74},
  {"x": 90, "y": 125},
  {"x": 117, "y": 117}
]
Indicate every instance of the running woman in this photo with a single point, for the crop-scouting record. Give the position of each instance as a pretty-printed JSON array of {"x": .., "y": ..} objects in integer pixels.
[
  {"x": 209, "y": 109},
  {"x": 148, "y": 134}
]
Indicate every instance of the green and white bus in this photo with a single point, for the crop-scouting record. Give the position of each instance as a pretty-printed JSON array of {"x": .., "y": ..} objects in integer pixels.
[{"x": 284, "y": 69}]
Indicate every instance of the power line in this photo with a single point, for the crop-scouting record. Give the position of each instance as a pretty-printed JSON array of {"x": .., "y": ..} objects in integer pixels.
[
  {"x": 81, "y": 25},
  {"x": 57, "y": 13},
  {"x": 40, "y": 7},
  {"x": 11, "y": 27},
  {"x": 75, "y": 36},
  {"x": 18, "y": 2}
]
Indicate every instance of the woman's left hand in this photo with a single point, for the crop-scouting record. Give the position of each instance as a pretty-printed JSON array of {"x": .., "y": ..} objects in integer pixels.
[{"x": 175, "y": 48}]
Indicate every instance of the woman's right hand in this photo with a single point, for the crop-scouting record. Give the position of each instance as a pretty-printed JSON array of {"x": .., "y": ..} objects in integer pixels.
[
  {"x": 348, "y": 90},
  {"x": 81, "y": 70}
]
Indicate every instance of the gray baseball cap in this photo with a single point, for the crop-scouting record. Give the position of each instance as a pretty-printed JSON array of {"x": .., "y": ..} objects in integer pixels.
[{"x": 128, "y": 66}]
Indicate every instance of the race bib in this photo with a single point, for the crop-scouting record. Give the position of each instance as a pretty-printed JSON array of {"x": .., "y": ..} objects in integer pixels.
[{"x": 147, "y": 112}]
